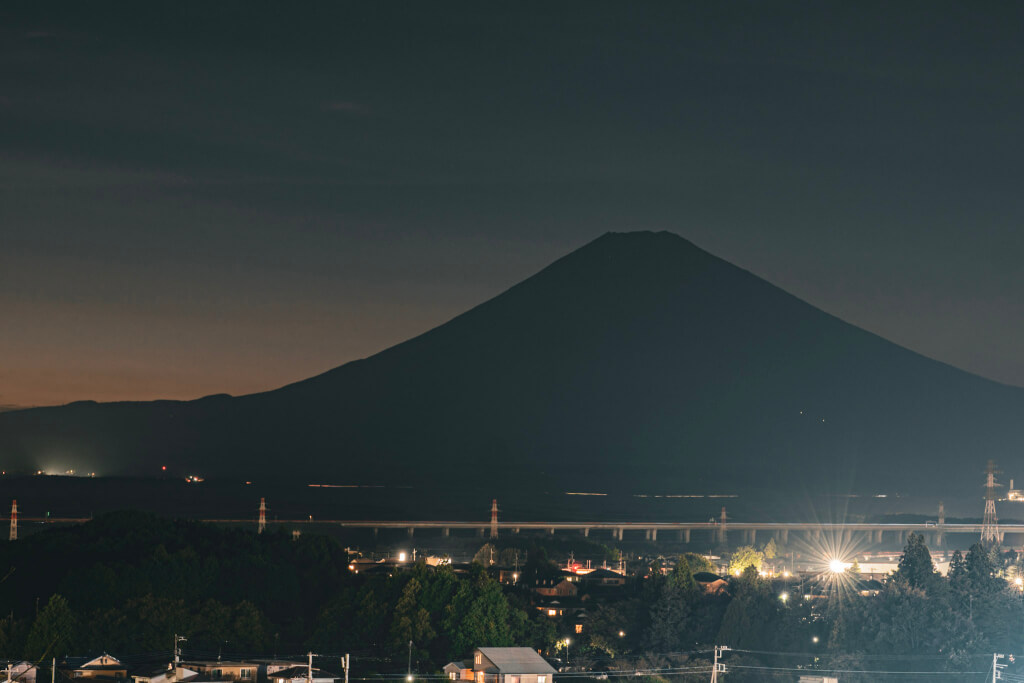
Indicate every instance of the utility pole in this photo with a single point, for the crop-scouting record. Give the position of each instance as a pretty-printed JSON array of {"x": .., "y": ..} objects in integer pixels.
[
  {"x": 718, "y": 668},
  {"x": 177, "y": 650},
  {"x": 942, "y": 522},
  {"x": 344, "y": 665},
  {"x": 14, "y": 520},
  {"x": 990, "y": 523},
  {"x": 309, "y": 669},
  {"x": 262, "y": 526},
  {"x": 408, "y": 670},
  {"x": 997, "y": 668},
  {"x": 53, "y": 671}
]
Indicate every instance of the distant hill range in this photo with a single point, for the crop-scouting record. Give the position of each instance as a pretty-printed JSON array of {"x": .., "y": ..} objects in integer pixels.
[{"x": 638, "y": 362}]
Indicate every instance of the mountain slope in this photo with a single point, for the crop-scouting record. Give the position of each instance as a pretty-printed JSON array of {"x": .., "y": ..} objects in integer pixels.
[{"x": 637, "y": 361}]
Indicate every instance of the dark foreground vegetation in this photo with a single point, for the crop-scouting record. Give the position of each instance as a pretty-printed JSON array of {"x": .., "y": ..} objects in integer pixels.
[{"x": 127, "y": 583}]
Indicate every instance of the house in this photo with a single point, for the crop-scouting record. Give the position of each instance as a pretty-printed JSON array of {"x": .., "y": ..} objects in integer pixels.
[
  {"x": 18, "y": 671},
  {"x": 461, "y": 670},
  {"x": 503, "y": 665},
  {"x": 104, "y": 667},
  {"x": 555, "y": 587},
  {"x": 555, "y": 609},
  {"x": 216, "y": 670},
  {"x": 164, "y": 674},
  {"x": 300, "y": 674},
  {"x": 602, "y": 578},
  {"x": 711, "y": 583}
]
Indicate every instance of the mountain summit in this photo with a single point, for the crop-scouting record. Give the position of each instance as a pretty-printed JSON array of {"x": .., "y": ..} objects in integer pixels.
[{"x": 638, "y": 361}]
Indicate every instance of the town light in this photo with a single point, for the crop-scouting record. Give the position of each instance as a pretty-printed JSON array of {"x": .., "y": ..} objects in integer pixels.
[
  {"x": 622, "y": 634},
  {"x": 814, "y": 640},
  {"x": 784, "y": 596},
  {"x": 401, "y": 557},
  {"x": 1019, "y": 582},
  {"x": 836, "y": 566}
]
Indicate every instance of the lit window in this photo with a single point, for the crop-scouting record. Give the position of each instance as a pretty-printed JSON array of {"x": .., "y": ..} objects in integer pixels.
[
  {"x": 579, "y": 628},
  {"x": 551, "y": 613},
  {"x": 542, "y": 679},
  {"x": 477, "y": 658},
  {"x": 451, "y": 676}
]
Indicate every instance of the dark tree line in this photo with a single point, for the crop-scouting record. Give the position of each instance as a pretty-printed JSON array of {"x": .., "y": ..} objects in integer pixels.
[{"x": 127, "y": 582}]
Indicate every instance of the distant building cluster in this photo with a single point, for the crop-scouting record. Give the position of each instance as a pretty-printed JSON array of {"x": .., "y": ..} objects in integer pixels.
[{"x": 488, "y": 665}]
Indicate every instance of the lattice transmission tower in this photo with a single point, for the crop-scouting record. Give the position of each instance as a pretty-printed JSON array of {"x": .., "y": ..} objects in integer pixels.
[{"x": 990, "y": 523}]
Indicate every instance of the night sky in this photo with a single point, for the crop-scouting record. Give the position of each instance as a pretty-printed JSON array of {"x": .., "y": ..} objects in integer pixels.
[{"x": 225, "y": 197}]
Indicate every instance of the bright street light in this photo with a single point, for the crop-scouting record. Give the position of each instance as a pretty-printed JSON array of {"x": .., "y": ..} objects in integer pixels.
[{"x": 837, "y": 566}]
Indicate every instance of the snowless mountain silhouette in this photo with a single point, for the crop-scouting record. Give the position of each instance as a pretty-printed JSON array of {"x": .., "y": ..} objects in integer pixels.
[{"x": 637, "y": 361}]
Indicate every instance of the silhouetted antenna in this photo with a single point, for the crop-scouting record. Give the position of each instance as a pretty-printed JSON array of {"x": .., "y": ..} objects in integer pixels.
[
  {"x": 263, "y": 516},
  {"x": 494, "y": 518},
  {"x": 990, "y": 523},
  {"x": 14, "y": 520}
]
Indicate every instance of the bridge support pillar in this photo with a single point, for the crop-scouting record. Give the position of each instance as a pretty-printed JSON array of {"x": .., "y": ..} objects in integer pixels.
[
  {"x": 878, "y": 535},
  {"x": 551, "y": 531},
  {"x": 783, "y": 535},
  {"x": 446, "y": 532},
  {"x": 654, "y": 534},
  {"x": 412, "y": 531},
  {"x": 516, "y": 531},
  {"x": 480, "y": 532},
  {"x": 753, "y": 536},
  {"x": 686, "y": 535},
  {"x": 619, "y": 531},
  {"x": 586, "y": 532}
]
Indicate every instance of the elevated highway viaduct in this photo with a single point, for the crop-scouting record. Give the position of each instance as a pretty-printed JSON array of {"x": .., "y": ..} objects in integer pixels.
[{"x": 716, "y": 532}]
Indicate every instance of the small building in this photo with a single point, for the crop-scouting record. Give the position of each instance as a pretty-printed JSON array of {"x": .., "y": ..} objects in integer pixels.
[
  {"x": 216, "y": 670},
  {"x": 461, "y": 670},
  {"x": 104, "y": 667},
  {"x": 300, "y": 674},
  {"x": 711, "y": 583},
  {"x": 556, "y": 587},
  {"x": 20, "y": 671},
  {"x": 602, "y": 578},
  {"x": 164, "y": 674}
]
